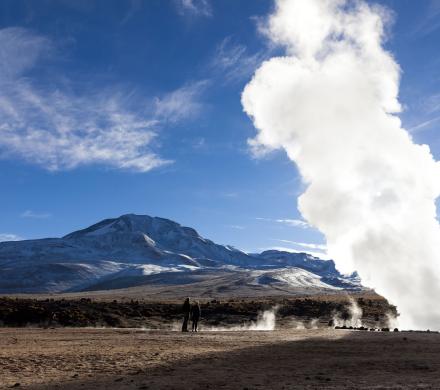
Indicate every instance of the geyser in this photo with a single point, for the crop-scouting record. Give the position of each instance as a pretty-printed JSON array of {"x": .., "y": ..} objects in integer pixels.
[{"x": 331, "y": 104}]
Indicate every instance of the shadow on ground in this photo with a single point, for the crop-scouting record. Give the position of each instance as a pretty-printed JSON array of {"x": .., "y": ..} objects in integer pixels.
[{"x": 356, "y": 360}]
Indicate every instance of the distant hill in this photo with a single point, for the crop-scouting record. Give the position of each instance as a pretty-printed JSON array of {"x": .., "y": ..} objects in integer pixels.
[{"x": 139, "y": 250}]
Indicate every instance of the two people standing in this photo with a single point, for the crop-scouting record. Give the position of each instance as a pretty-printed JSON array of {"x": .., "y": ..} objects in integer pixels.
[{"x": 190, "y": 311}]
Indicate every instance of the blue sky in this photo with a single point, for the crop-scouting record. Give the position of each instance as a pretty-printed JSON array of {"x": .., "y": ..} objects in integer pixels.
[{"x": 114, "y": 107}]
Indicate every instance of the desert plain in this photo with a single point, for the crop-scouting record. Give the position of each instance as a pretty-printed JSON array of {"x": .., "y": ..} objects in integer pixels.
[{"x": 324, "y": 358}]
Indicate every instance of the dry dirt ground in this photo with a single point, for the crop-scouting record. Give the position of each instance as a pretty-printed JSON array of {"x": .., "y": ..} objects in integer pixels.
[{"x": 286, "y": 359}]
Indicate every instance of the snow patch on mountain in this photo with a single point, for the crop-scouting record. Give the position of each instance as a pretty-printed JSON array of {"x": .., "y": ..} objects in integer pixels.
[{"x": 137, "y": 246}]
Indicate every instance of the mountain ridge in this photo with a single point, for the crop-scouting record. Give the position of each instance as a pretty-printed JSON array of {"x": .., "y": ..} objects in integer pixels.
[{"x": 136, "y": 249}]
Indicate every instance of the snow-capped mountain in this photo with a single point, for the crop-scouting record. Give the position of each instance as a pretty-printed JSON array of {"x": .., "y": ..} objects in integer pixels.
[{"x": 131, "y": 249}]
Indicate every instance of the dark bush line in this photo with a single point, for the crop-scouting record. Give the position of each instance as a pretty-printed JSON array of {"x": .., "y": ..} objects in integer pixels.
[
  {"x": 19, "y": 312},
  {"x": 83, "y": 312}
]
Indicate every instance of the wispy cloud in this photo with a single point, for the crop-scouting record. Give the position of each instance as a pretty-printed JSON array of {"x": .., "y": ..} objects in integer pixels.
[
  {"x": 230, "y": 194},
  {"x": 198, "y": 143},
  {"x": 430, "y": 20},
  {"x": 289, "y": 222},
  {"x": 9, "y": 237},
  {"x": 32, "y": 214},
  {"x": 321, "y": 255},
  {"x": 182, "y": 103},
  {"x": 294, "y": 222},
  {"x": 194, "y": 7},
  {"x": 59, "y": 129},
  {"x": 133, "y": 8},
  {"x": 319, "y": 247},
  {"x": 19, "y": 50},
  {"x": 234, "y": 62},
  {"x": 237, "y": 227}
]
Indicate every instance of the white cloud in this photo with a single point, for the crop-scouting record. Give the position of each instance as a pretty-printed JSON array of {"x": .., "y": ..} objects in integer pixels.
[
  {"x": 289, "y": 222},
  {"x": 194, "y": 7},
  {"x": 59, "y": 129},
  {"x": 330, "y": 101},
  {"x": 182, "y": 103},
  {"x": 32, "y": 214},
  {"x": 9, "y": 237}
]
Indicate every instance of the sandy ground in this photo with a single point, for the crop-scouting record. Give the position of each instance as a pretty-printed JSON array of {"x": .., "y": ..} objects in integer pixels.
[{"x": 285, "y": 359}]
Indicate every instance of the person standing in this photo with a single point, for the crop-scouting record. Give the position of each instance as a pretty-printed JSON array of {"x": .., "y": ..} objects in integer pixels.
[
  {"x": 195, "y": 315},
  {"x": 186, "y": 311}
]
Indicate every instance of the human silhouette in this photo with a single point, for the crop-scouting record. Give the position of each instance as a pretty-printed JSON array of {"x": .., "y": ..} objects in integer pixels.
[
  {"x": 195, "y": 315},
  {"x": 186, "y": 310}
]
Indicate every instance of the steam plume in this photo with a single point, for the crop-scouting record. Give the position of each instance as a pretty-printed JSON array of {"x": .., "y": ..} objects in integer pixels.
[
  {"x": 301, "y": 325},
  {"x": 266, "y": 320},
  {"x": 330, "y": 103},
  {"x": 355, "y": 316}
]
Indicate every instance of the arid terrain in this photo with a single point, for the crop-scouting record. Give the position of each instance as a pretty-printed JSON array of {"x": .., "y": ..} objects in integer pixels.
[{"x": 283, "y": 359}]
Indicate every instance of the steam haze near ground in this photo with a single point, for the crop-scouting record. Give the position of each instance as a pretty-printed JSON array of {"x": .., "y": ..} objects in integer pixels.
[
  {"x": 330, "y": 103},
  {"x": 266, "y": 321}
]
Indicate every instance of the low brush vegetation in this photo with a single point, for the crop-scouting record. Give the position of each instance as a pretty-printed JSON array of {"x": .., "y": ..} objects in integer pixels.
[{"x": 84, "y": 312}]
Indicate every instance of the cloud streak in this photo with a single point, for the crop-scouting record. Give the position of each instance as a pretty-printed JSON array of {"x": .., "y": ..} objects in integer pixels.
[
  {"x": 320, "y": 247},
  {"x": 424, "y": 125},
  {"x": 289, "y": 222}
]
